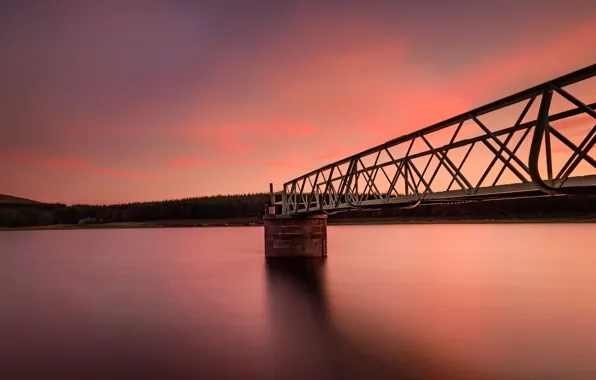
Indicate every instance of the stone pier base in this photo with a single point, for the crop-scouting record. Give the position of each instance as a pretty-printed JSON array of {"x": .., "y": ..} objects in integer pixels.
[{"x": 291, "y": 236}]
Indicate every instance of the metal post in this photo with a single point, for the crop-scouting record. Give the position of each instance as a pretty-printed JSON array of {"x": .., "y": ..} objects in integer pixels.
[
  {"x": 284, "y": 202},
  {"x": 271, "y": 194}
]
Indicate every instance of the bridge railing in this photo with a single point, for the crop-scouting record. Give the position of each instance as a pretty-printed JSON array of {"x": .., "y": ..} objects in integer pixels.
[{"x": 540, "y": 139}]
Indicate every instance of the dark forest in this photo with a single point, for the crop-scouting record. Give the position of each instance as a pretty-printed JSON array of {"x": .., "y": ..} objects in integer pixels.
[{"x": 251, "y": 207}]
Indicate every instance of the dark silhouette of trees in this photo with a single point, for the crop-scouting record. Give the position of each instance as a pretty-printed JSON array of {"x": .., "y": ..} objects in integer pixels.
[
  {"x": 213, "y": 207},
  {"x": 252, "y": 206}
]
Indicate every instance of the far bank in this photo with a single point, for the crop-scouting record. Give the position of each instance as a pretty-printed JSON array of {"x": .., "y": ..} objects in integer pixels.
[
  {"x": 247, "y": 210},
  {"x": 254, "y": 222}
]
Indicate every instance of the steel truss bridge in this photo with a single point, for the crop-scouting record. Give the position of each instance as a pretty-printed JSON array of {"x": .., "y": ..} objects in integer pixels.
[{"x": 536, "y": 142}]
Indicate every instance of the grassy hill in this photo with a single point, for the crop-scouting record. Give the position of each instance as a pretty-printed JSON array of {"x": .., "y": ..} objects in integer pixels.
[{"x": 9, "y": 199}]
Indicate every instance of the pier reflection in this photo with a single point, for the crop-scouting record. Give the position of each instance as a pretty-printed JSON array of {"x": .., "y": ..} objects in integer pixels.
[{"x": 307, "y": 341}]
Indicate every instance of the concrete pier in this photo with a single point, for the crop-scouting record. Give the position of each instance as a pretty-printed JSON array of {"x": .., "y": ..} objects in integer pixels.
[{"x": 295, "y": 236}]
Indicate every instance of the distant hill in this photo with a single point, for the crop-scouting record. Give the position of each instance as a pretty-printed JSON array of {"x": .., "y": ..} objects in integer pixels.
[{"x": 4, "y": 199}]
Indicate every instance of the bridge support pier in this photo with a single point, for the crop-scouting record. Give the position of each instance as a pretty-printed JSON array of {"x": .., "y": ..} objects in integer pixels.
[{"x": 295, "y": 236}]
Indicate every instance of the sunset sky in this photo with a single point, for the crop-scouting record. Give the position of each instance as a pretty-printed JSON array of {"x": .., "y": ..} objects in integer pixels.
[{"x": 119, "y": 101}]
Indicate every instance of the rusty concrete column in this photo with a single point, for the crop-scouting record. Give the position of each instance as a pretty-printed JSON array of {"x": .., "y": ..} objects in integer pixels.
[{"x": 291, "y": 236}]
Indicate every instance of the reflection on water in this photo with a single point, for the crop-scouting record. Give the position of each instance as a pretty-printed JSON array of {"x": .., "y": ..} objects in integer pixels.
[
  {"x": 407, "y": 302},
  {"x": 310, "y": 345},
  {"x": 296, "y": 288},
  {"x": 297, "y": 316}
]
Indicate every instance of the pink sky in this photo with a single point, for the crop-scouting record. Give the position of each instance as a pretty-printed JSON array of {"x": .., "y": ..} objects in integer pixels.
[{"x": 119, "y": 103}]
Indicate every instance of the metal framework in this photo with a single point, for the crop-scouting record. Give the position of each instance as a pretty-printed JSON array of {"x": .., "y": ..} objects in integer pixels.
[{"x": 457, "y": 159}]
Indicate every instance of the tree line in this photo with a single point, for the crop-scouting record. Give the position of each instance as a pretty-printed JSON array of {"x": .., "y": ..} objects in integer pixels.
[
  {"x": 212, "y": 207},
  {"x": 225, "y": 207}
]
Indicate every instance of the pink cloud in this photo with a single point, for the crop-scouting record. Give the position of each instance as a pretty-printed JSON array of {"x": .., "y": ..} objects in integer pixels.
[
  {"x": 192, "y": 163},
  {"x": 226, "y": 139},
  {"x": 185, "y": 162},
  {"x": 246, "y": 138},
  {"x": 542, "y": 61},
  {"x": 581, "y": 120},
  {"x": 278, "y": 164},
  {"x": 63, "y": 162},
  {"x": 129, "y": 174},
  {"x": 279, "y": 129},
  {"x": 76, "y": 163},
  {"x": 334, "y": 154}
]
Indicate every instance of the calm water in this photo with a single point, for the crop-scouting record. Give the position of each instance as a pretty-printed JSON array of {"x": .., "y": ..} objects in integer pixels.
[{"x": 419, "y": 301}]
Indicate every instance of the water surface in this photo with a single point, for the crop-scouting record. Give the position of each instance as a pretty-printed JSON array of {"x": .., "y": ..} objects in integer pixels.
[{"x": 403, "y": 301}]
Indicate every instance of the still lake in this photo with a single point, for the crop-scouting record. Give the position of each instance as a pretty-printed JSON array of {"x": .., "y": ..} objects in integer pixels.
[{"x": 508, "y": 301}]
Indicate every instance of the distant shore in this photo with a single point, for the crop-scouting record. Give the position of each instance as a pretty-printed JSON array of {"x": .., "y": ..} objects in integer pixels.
[
  {"x": 19, "y": 214},
  {"x": 254, "y": 222}
]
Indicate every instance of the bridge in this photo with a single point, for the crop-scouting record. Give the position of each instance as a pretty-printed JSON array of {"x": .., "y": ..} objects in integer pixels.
[{"x": 536, "y": 142}]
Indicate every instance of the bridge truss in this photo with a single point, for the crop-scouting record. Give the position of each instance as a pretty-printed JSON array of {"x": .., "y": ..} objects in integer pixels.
[{"x": 538, "y": 141}]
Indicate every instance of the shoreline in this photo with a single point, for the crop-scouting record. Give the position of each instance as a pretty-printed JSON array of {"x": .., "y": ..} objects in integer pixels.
[{"x": 202, "y": 223}]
